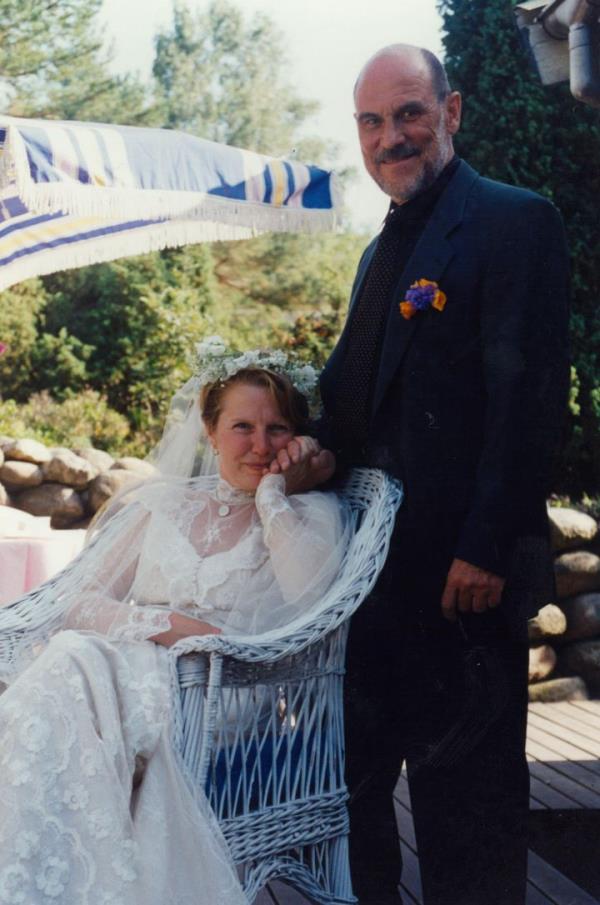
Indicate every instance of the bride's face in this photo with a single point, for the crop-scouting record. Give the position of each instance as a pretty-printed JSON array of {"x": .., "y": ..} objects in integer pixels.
[{"x": 248, "y": 435}]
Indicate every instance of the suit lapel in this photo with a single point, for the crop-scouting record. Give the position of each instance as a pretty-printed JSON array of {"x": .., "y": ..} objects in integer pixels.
[{"x": 429, "y": 260}]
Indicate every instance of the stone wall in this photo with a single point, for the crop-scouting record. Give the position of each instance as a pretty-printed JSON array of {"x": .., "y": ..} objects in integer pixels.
[
  {"x": 564, "y": 657},
  {"x": 69, "y": 485}
]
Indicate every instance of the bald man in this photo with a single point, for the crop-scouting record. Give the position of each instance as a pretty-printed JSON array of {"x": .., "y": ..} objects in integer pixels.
[{"x": 452, "y": 375}]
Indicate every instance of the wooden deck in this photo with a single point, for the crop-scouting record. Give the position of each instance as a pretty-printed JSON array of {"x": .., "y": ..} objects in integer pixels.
[{"x": 563, "y": 749}]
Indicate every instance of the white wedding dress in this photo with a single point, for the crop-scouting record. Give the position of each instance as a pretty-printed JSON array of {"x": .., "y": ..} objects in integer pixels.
[{"x": 94, "y": 807}]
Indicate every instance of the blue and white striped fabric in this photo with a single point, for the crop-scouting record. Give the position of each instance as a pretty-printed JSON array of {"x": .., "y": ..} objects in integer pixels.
[{"x": 79, "y": 193}]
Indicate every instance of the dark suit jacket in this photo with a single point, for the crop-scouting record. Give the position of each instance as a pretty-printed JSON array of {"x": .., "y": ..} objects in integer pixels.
[{"x": 469, "y": 402}]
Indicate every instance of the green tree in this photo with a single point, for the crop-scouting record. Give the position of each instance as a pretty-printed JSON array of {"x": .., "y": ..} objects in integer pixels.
[
  {"x": 517, "y": 131},
  {"x": 54, "y": 63},
  {"x": 223, "y": 78}
]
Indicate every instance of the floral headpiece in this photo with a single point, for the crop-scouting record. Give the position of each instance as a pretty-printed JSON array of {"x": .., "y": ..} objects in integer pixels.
[{"x": 217, "y": 362}]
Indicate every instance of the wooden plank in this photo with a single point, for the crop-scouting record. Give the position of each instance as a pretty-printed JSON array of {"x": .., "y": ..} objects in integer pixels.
[
  {"x": 549, "y": 797},
  {"x": 284, "y": 895},
  {"x": 265, "y": 898},
  {"x": 590, "y": 706},
  {"x": 406, "y": 827},
  {"x": 534, "y": 896},
  {"x": 411, "y": 875},
  {"x": 580, "y": 795},
  {"x": 566, "y": 724},
  {"x": 561, "y": 732},
  {"x": 551, "y": 882},
  {"x": 587, "y": 718},
  {"x": 574, "y": 769},
  {"x": 563, "y": 749}
]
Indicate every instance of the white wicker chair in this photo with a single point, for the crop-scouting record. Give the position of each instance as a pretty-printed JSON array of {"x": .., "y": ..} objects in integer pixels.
[{"x": 260, "y": 725}]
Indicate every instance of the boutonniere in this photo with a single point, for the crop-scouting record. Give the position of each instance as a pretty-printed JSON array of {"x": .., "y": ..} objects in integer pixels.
[{"x": 422, "y": 294}]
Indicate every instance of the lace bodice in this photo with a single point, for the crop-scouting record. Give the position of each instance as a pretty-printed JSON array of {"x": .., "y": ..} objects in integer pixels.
[{"x": 235, "y": 559}]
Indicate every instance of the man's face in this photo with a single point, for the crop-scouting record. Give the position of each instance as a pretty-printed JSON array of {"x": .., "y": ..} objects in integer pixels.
[{"x": 405, "y": 131}]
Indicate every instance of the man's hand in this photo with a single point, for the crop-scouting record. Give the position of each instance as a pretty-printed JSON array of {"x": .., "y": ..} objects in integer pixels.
[
  {"x": 303, "y": 464},
  {"x": 470, "y": 590}
]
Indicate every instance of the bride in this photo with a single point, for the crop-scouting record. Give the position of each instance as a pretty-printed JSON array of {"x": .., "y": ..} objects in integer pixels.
[{"x": 94, "y": 807}]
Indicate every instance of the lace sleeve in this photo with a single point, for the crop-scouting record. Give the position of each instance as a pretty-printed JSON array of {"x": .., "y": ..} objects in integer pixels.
[{"x": 306, "y": 536}]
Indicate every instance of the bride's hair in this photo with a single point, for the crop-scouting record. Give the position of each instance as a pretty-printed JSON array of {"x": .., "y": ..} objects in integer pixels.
[{"x": 291, "y": 402}]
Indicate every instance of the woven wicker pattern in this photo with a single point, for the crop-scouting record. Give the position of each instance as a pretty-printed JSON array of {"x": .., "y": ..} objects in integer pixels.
[{"x": 260, "y": 725}]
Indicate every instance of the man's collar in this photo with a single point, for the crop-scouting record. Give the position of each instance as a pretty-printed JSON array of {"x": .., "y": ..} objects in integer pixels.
[{"x": 423, "y": 203}]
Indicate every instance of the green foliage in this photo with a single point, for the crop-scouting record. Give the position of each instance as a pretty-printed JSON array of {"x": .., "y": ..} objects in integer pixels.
[
  {"x": 79, "y": 420},
  {"x": 53, "y": 63},
  {"x": 20, "y": 310},
  {"x": 120, "y": 336},
  {"x": 222, "y": 77},
  {"x": 517, "y": 131}
]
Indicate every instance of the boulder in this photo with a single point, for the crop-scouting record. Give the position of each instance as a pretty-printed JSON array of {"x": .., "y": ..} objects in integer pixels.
[
  {"x": 16, "y": 475},
  {"x": 27, "y": 451},
  {"x": 577, "y": 573},
  {"x": 583, "y": 659},
  {"x": 542, "y": 661},
  {"x": 570, "y": 529},
  {"x": 105, "y": 485},
  {"x": 139, "y": 467},
  {"x": 550, "y": 622},
  {"x": 62, "y": 504},
  {"x": 67, "y": 468},
  {"x": 569, "y": 689},
  {"x": 4, "y": 496},
  {"x": 97, "y": 457},
  {"x": 583, "y": 617}
]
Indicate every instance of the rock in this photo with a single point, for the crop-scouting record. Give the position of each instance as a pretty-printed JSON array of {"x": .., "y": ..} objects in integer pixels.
[
  {"x": 550, "y": 622},
  {"x": 569, "y": 689},
  {"x": 1, "y": 456},
  {"x": 105, "y": 485},
  {"x": 96, "y": 457},
  {"x": 583, "y": 659},
  {"x": 5, "y": 499},
  {"x": 577, "y": 573},
  {"x": 62, "y": 504},
  {"x": 139, "y": 467},
  {"x": 583, "y": 617},
  {"x": 17, "y": 474},
  {"x": 27, "y": 451},
  {"x": 67, "y": 468},
  {"x": 542, "y": 661},
  {"x": 570, "y": 528}
]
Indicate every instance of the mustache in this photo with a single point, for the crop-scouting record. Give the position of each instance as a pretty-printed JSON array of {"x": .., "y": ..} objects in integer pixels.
[{"x": 398, "y": 152}]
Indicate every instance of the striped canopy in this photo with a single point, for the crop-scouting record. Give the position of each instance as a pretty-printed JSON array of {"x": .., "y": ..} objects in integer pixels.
[{"x": 78, "y": 193}]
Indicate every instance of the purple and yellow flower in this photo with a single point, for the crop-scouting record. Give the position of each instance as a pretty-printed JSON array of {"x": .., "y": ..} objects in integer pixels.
[{"x": 422, "y": 294}]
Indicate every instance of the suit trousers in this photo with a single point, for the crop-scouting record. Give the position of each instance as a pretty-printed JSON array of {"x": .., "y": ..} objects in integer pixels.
[{"x": 412, "y": 678}]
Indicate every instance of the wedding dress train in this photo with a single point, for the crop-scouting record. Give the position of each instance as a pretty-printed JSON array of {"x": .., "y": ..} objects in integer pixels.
[{"x": 94, "y": 807}]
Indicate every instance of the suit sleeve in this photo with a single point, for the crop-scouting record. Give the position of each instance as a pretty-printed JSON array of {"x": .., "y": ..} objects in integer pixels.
[{"x": 524, "y": 329}]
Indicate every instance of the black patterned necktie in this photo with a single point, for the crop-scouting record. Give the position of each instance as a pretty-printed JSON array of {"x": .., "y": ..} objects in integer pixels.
[{"x": 366, "y": 329}]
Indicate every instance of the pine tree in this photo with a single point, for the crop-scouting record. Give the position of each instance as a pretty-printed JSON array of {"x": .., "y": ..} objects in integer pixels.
[{"x": 518, "y": 131}]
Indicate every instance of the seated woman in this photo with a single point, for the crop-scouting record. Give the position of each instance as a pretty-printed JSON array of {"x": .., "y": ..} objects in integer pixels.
[{"x": 95, "y": 810}]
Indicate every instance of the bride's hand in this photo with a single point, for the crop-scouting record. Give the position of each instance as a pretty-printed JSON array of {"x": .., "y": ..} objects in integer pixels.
[
  {"x": 183, "y": 627},
  {"x": 303, "y": 464}
]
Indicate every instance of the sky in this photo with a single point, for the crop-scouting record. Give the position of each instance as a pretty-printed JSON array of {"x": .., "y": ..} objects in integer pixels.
[{"x": 327, "y": 41}]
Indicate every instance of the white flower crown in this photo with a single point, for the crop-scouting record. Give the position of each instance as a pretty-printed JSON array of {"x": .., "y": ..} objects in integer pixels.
[{"x": 217, "y": 362}]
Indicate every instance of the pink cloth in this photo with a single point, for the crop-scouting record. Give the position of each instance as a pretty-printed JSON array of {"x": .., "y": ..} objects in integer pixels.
[{"x": 25, "y": 562}]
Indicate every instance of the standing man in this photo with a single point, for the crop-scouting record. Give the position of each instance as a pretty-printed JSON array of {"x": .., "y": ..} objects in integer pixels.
[{"x": 451, "y": 374}]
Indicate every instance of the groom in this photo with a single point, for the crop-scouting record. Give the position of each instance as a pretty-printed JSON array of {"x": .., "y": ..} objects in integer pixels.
[{"x": 451, "y": 374}]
